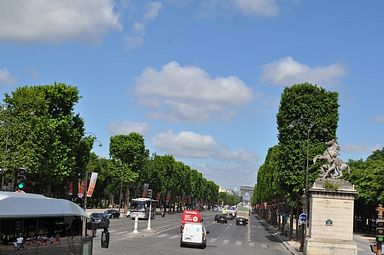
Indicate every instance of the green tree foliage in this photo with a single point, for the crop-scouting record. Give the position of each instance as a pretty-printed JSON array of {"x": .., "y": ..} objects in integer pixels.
[
  {"x": 268, "y": 177},
  {"x": 43, "y": 134},
  {"x": 128, "y": 155},
  {"x": 225, "y": 198},
  {"x": 368, "y": 177},
  {"x": 306, "y": 113}
]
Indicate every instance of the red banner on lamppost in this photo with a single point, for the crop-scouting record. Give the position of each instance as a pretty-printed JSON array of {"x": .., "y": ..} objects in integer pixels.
[{"x": 92, "y": 184}]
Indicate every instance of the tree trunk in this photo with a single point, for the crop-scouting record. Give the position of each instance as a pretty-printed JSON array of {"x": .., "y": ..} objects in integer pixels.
[{"x": 126, "y": 201}]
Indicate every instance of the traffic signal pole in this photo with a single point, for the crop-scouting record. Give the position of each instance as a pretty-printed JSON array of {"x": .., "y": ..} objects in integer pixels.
[{"x": 379, "y": 229}]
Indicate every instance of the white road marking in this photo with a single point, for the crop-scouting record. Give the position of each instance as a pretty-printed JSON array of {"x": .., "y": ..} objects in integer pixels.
[
  {"x": 174, "y": 237},
  {"x": 213, "y": 240},
  {"x": 264, "y": 245},
  {"x": 238, "y": 242},
  {"x": 163, "y": 235},
  {"x": 251, "y": 244},
  {"x": 225, "y": 241},
  {"x": 121, "y": 232}
]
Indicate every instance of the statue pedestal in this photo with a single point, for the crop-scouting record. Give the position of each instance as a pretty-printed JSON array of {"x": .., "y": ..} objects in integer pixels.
[{"x": 331, "y": 219}]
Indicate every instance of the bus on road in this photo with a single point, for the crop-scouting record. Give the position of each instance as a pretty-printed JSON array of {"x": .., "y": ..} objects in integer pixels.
[
  {"x": 140, "y": 207},
  {"x": 35, "y": 224}
]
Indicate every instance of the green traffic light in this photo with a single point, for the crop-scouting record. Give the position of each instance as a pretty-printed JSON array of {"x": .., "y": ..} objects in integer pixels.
[
  {"x": 20, "y": 185},
  {"x": 379, "y": 238}
]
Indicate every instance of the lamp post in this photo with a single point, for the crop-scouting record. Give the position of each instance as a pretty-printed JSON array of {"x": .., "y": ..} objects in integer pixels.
[
  {"x": 304, "y": 197},
  {"x": 86, "y": 172}
]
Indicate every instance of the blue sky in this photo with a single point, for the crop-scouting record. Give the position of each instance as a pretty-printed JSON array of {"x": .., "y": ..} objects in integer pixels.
[{"x": 201, "y": 80}]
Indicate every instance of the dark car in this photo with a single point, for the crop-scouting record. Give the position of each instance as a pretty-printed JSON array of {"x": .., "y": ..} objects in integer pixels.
[
  {"x": 222, "y": 219},
  {"x": 241, "y": 221},
  {"x": 101, "y": 220},
  {"x": 112, "y": 213}
]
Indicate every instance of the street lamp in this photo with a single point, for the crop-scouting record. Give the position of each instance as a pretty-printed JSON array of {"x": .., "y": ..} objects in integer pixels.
[
  {"x": 304, "y": 196},
  {"x": 86, "y": 173}
]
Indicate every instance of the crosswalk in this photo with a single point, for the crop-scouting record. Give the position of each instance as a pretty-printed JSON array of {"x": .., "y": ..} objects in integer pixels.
[
  {"x": 221, "y": 241},
  {"x": 214, "y": 241}
]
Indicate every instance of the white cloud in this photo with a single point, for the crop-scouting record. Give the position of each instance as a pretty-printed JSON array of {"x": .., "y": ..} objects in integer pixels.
[
  {"x": 126, "y": 127},
  {"x": 192, "y": 145},
  {"x": 380, "y": 119},
  {"x": 287, "y": 71},
  {"x": 6, "y": 78},
  {"x": 153, "y": 10},
  {"x": 230, "y": 175},
  {"x": 257, "y": 7},
  {"x": 136, "y": 37},
  {"x": 189, "y": 94},
  {"x": 56, "y": 21},
  {"x": 355, "y": 148}
]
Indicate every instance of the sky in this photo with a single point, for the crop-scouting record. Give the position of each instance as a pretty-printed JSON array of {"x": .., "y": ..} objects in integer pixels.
[{"x": 201, "y": 80}]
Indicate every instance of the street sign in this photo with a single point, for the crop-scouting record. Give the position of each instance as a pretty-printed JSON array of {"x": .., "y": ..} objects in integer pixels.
[{"x": 303, "y": 217}]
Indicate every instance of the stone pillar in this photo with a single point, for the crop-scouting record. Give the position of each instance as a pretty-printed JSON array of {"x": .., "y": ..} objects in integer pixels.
[{"x": 331, "y": 218}]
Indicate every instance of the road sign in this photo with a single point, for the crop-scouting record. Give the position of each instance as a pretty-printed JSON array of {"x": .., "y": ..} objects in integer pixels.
[{"x": 303, "y": 217}]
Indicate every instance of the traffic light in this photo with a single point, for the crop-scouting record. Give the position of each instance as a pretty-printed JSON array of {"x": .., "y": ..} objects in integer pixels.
[
  {"x": 149, "y": 193},
  {"x": 380, "y": 230},
  {"x": 20, "y": 185}
]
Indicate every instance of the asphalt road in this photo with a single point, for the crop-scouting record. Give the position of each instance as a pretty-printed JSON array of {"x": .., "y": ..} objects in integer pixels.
[{"x": 164, "y": 238}]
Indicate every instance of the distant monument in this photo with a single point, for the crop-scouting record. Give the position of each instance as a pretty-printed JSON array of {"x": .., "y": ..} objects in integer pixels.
[
  {"x": 246, "y": 193},
  {"x": 331, "y": 208}
]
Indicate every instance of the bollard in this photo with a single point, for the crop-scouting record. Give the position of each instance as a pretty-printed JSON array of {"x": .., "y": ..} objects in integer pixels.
[
  {"x": 149, "y": 217},
  {"x": 136, "y": 222}
]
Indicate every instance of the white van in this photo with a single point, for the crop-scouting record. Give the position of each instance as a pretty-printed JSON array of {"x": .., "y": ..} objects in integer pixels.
[{"x": 194, "y": 234}]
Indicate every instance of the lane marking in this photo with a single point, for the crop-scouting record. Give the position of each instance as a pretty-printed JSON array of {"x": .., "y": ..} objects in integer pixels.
[
  {"x": 213, "y": 240},
  {"x": 174, "y": 237},
  {"x": 121, "y": 232},
  {"x": 251, "y": 244},
  {"x": 238, "y": 242},
  {"x": 264, "y": 245},
  {"x": 225, "y": 241},
  {"x": 163, "y": 235}
]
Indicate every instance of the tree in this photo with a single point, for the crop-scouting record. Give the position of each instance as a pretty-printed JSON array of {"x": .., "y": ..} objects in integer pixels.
[
  {"x": 128, "y": 154},
  {"x": 307, "y": 113},
  {"x": 368, "y": 178},
  {"x": 42, "y": 133}
]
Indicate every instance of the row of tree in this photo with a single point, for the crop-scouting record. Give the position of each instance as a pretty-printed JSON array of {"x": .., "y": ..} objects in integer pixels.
[
  {"x": 39, "y": 131},
  {"x": 307, "y": 118}
]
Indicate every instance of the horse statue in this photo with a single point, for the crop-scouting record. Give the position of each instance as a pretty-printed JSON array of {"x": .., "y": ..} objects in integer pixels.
[{"x": 334, "y": 167}]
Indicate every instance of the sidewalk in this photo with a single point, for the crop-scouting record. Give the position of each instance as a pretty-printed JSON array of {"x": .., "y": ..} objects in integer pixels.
[
  {"x": 291, "y": 245},
  {"x": 362, "y": 240}
]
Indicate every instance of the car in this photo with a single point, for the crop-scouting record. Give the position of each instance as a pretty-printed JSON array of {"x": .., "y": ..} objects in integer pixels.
[
  {"x": 194, "y": 234},
  {"x": 222, "y": 219},
  {"x": 241, "y": 221},
  {"x": 101, "y": 220},
  {"x": 112, "y": 213}
]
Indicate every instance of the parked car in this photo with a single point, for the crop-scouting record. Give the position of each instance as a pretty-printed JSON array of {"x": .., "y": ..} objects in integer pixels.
[
  {"x": 112, "y": 213},
  {"x": 100, "y": 219},
  {"x": 222, "y": 219},
  {"x": 241, "y": 221}
]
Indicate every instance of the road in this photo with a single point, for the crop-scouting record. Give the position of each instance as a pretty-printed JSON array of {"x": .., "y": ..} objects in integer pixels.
[{"x": 164, "y": 238}]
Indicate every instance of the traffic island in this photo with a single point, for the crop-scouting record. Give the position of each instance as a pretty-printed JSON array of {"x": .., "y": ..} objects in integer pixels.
[{"x": 331, "y": 218}]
